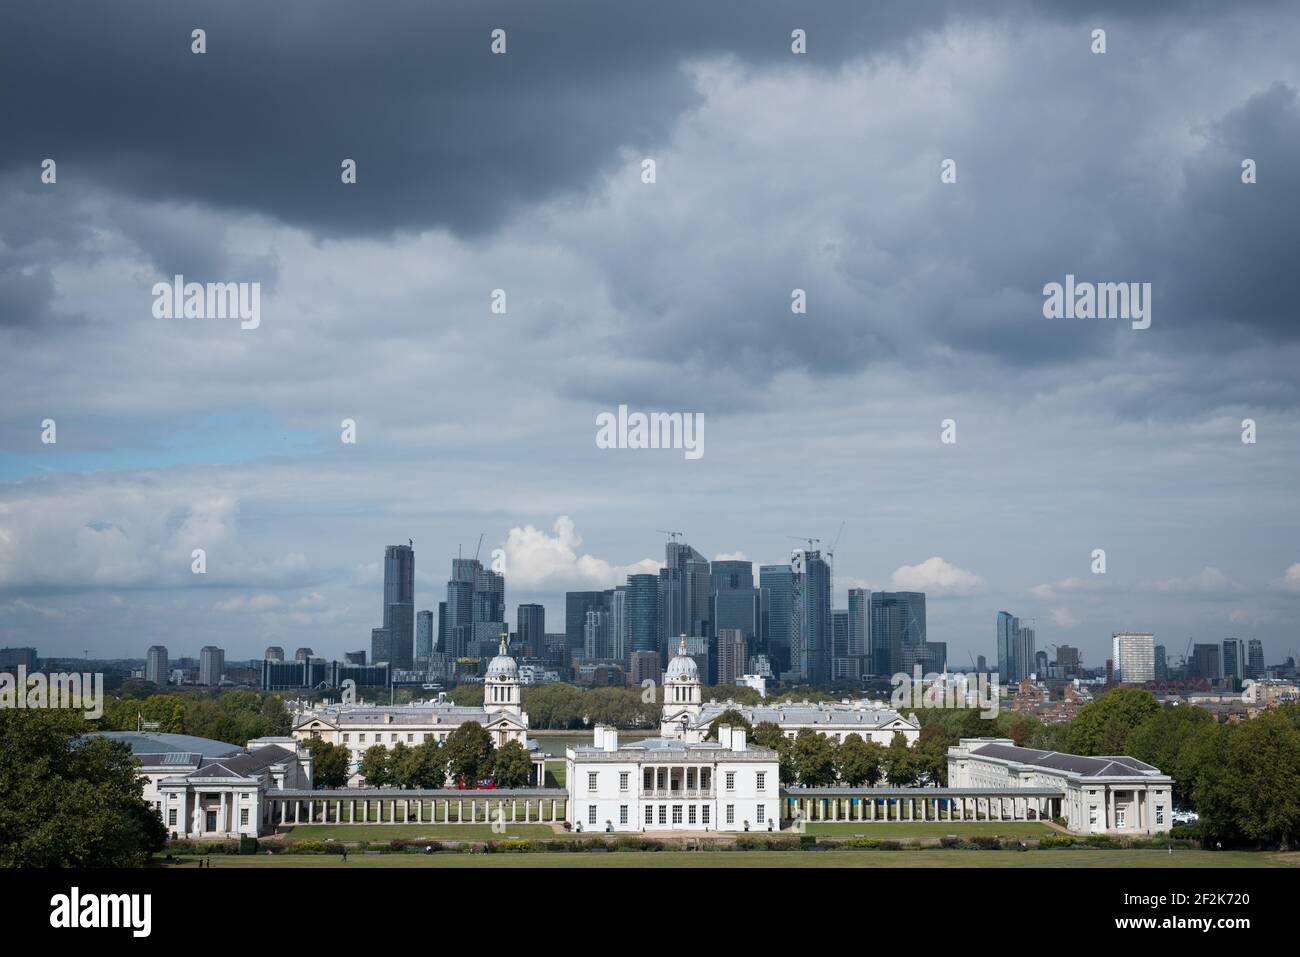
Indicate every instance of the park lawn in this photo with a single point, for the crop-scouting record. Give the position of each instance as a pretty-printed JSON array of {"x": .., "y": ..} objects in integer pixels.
[
  {"x": 383, "y": 833},
  {"x": 934, "y": 858},
  {"x": 895, "y": 830}
]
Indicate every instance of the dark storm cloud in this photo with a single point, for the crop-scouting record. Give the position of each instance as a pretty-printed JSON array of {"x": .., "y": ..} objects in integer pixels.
[{"x": 445, "y": 134}]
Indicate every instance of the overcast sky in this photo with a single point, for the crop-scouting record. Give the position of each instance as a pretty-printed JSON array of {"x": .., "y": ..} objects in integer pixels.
[{"x": 523, "y": 172}]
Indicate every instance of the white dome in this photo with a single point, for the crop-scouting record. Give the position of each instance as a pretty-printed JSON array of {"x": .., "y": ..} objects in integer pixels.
[
  {"x": 683, "y": 668},
  {"x": 503, "y": 666}
]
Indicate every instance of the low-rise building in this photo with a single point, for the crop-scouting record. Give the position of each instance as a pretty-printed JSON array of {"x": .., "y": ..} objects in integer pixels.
[{"x": 1112, "y": 794}]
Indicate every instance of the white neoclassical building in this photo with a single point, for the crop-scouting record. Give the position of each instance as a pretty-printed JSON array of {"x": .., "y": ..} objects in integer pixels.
[
  {"x": 677, "y": 781},
  {"x": 362, "y": 726},
  {"x": 1114, "y": 794}
]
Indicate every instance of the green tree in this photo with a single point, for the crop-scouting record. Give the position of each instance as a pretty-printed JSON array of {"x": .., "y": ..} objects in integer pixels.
[
  {"x": 70, "y": 801},
  {"x": 930, "y": 755},
  {"x": 1248, "y": 792},
  {"x": 375, "y": 767},
  {"x": 1179, "y": 742},
  {"x": 1103, "y": 726},
  {"x": 329, "y": 763},
  {"x": 512, "y": 766},
  {"x": 469, "y": 753},
  {"x": 857, "y": 762},
  {"x": 901, "y": 767},
  {"x": 730, "y": 716},
  {"x": 814, "y": 759},
  {"x": 768, "y": 734}
]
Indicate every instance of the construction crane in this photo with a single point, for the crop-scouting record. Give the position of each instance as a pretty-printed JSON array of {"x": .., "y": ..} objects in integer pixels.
[
  {"x": 672, "y": 536},
  {"x": 801, "y": 538},
  {"x": 831, "y": 554},
  {"x": 479, "y": 547}
]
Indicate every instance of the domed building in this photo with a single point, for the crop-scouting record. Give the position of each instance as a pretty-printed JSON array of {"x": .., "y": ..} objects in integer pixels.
[
  {"x": 360, "y": 726},
  {"x": 682, "y": 705}
]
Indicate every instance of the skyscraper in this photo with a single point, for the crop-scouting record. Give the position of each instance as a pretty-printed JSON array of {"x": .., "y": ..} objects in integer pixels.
[
  {"x": 810, "y": 650},
  {"x": 423, "y": 636},
  {"x": 155, "y": 665},
  {"x": 1255, "y": 659},
  {"x": 859, "y": 622},
  {"x": 212, "y": 665},
  {"x": 273, "y": 653},
  {"x": 1025, "y": 653},
  {"x": 776, "y": 614},
  {"x": 531, "y": 628},
  {"x": 596, "y": 635},
  {"x": 735, "y": 599},
  {"x": 1008, "y": 645},
  {"x": 1207, "y": 662},
  {"x": 686, "y": 593},
  {"x": 399, "y": 604},
  {"x": 897, "y": 630},
  {"x": 1068, "y": 664},
  {"x": 1162, "y": 663},
  {"x": 732, "y": 655},
  {"x": 1234, "y": 661},
  {"x": 576, "y": 606},
  {"x": 381, "y": 646},
  {"x": 618, "y": 624},
  {"x": 642, "y": 613}
]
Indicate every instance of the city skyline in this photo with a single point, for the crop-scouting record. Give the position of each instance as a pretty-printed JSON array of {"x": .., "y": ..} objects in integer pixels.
[{"x": 813, "y": 179}]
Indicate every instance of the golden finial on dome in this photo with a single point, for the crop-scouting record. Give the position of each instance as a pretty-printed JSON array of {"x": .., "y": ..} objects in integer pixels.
[
  {"x": 681, "y": 645},
  {"x": 505, "y": 639}
]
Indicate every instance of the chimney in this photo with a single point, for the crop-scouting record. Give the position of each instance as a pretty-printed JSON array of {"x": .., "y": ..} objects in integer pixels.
[
  {"x": 724, "y": 736},
  {"x": 598, "y": 741},
  {"x": 738, "y": 739},
  {"x": 611, "y": 739}
]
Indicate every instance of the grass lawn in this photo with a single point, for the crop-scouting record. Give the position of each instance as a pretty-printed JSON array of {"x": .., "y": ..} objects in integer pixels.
[
  {"x": 908, "y": 859},
  {"x": 555, "y": 774},
  {"x": 382, "y": 833},
  {"x": 890, "y": 830}
]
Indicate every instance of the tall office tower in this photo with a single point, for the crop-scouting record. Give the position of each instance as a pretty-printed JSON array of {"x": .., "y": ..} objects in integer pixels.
[
  {"x": 810, "y": 640},
  {"x": 732, "y": 655},
  {"x": 423, "y": 636},
  {"x": 530, "y": 626},
  {"x": 212, "y": 665},
  {"x": 399, "y": 604},
  {"x": 354, "y": 657},
  {"x": 686, "y": 593},
  {"x": 859, "y": 621},
  {"x": 981, "y": 665},
  {"x": 699, "y": 597},
  {"x": 596, "y": 635},
  {"x": 274, "y": 653},
  {"x": 303, "y": 654},
  {"x": 1207, "y": 662},
  {"x": 897, "y": 630},
  {"x": 1008, "y": 645},
  {"x": 1068, "y": 664},
  {"x": 443, "y": 638},
  {"x": 1040, "y": 664},
  {"x": 1025, "y": 652},
  {"x": 1162, "y": 663},
  {"x": 1255, "y": 659},
  {"x": 381, "y": 646},
  {"x": 839, "y": 632},
  {"x": 618, "y": 624},
  {"x": 576, "y": 606},
  {"x": 672, "y": 620},
  {"x": 643, "y": 613},
  {"x": 155, "y": 665},
  {"x": 735, "y": 599},
  {"x": 1234, "y": 661},
  {"x": 775, "y": 614}
]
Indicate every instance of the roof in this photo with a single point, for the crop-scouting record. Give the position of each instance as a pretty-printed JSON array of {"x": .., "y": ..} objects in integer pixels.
[
  {"x": 379, "y": 716},
  {"x": 243, "y": 765},
  {"x": 1103, "y": 766},
  {"x": 676, "y": 746},
  {"x": 158, "y": 742},
  {"x": 806, "y": 713}
]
